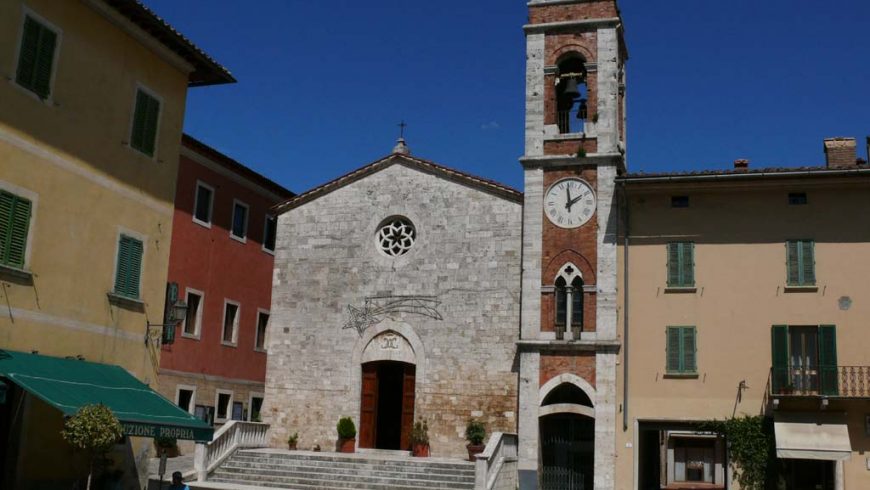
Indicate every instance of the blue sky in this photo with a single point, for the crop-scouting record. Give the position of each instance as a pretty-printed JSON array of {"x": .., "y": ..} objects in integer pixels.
[{"x": 323, "y": 84}]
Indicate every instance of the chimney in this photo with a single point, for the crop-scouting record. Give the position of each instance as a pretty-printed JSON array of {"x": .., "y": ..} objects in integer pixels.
[
  {"x": 741, "y": 164},
  {"x": 841, "y": 152}
]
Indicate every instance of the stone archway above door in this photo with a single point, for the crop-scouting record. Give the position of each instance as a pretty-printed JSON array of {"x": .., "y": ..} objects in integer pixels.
[{"x": 389, "y": 346}]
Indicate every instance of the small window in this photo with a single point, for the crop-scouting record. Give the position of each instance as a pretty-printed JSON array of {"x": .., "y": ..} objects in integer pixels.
[
  {"x": 238, "y": 411},
  {"x": 204, "y": 413},
  {"x": 269, "y": 233},
  {"x": 202, "y": 208},
  {"x": 797, "y": 198},
  {"x": 262, "y": 323},
  {"x": 561, "y": 301},
  {"x": 223, "y": 405},
  {"x": 36, "y": 57},
  {"x": 681, "y": 264},
  {"x": 129, "y": 267},
  {"x": 577, "y": 302},
  {"x": 193, "y": 319},
  {"x": 801, "y": 263},
  {"x": 231, "y": 323},
  {"x": 14, "y": 226},
  {"x": 146, "y": 115},
  {"x": 679, "y": 201},
  {"x": 681, "y": 350},
  {"x": 185, "y": 397},
  {"x": 695, "y": 460},
  {"x": 256, "y": 408},
  {"x": 240, "y": 220}
]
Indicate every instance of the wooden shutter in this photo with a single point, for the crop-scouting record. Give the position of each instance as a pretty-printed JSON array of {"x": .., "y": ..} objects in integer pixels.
[
  {"x": 779, "y": 357},
  {"x": 137, "y": 136},
  {"x": 14, "y": 226},
  {"x": 687, "y": 264},
  {"x": 673, "y": 264},
  {"x": 122, "y": 266},
  {"x": 368, "y": 406},
  {"x": 135, "y": 271},
  {"x": 28, "y": 53},
  {"x": 674, "y": 348},
  {"x": 44, "y": 62},
  {"x": 152, "y": 113},
  {"x": 828, "y": 360},
  {"x": 793, "y": 262},
  {"x": 408, "y": 393},
  {"x": 808, "y": 263},
  {"x": 129, "y": 267},
  {"x": 689, "y": 350}
]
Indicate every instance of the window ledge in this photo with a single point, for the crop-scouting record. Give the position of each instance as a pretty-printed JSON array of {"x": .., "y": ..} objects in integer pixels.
[
  {"x": 681, "y": 376},
  {"x": 268, "y": 251},
  {"x": 681, "y": 289},
  {"x": 240, "y": 239},
  {"x": 125, "y": 302},
  {"x": 260, "y": 350},
  {"x": 229, "y": 344},
  {"x": 567, "y": 136},
  {"x": 8, "y": 270},
  {"x": 801, "y": 289},
  {"x": 189, "y": 336},
  {"x": 204, "y": 224}
]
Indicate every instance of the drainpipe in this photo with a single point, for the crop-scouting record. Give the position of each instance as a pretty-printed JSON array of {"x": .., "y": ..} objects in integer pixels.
[{"x": 625, "y": 308}]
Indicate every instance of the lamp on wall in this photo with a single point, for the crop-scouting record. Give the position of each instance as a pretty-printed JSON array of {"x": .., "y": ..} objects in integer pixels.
[{"x": 174, "y": 313}]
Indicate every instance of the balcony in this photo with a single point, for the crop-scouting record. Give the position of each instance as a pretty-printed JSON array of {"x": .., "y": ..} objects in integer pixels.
[{"x": 820, "y": 381}]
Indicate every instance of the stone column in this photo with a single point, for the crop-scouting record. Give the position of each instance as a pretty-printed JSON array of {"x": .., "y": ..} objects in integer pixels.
[{"x": 530, "y": 366}]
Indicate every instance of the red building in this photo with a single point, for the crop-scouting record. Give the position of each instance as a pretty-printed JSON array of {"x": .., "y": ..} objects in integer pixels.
[{"x": 221, "y": 257}]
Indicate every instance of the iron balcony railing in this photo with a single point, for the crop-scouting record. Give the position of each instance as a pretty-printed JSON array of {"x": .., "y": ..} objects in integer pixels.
[{"x": 837, "y": 381}]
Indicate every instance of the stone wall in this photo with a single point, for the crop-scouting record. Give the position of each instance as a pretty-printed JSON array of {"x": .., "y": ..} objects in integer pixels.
[{"x": 466, "y": 257}]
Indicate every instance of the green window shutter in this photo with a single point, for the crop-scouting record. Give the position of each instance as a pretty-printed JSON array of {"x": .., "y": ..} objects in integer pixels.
[
  {"x": 674, "y": 350},
  {"x": 145, "y": 117},
  {"x": 14, "y": 226},
  {"x": 689, "y": 350},
  {"x": 779, "y": 357},
  {"x": 828, "y": 360},
  {"x": 808, "y": 263},
  {"x": 673, "y": 264},
  {"x": 36, "y": 58},
  {"x": 122, "y": 266},
  {"x": 129, "y": 267},
  {"x": 687, "y": 264},
  {"x": 135, "y": 271},
  {"x": 793, "y": 263}
]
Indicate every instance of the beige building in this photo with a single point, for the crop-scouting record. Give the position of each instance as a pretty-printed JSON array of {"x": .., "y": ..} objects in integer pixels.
[
  {"x": 93, "y": 98},
  {"x": 746, "y": 295}
]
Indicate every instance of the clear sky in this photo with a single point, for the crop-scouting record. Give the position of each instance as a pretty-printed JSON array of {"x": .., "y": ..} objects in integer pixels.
[{"x": 323, "y": 84}]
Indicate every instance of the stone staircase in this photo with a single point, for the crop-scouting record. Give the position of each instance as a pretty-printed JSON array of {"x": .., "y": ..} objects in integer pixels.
[{"x": 303, "y": 470}]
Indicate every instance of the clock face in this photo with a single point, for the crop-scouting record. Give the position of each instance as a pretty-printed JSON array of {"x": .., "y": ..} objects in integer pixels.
[{"x": 569, "y": 203}]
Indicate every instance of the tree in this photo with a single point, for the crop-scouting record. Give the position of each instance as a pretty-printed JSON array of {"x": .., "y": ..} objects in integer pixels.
[{"x": 93, "y": 429}]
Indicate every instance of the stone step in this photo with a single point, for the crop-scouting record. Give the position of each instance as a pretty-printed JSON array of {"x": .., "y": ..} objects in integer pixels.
[
  {"x": 413, "y": 473},
  {"x": 345, "y": 484},
  {"x": 325, "y": 473},
  {"x": 355, "y": 458},
  {"x": 350, "y": 467}
]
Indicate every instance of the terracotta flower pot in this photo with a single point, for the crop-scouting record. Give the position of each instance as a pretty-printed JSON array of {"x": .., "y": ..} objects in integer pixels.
[
  {"x": 420, "y": 450},
  {"x": 347, "y": 445},
  {"x": 291, "y": 446},
  {"x": 474, "y": 450}
]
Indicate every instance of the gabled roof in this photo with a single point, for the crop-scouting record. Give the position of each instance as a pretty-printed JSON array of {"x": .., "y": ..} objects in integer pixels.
[
  {"x": 481, "y": 184},
  {"x": 206, "y": 70}
]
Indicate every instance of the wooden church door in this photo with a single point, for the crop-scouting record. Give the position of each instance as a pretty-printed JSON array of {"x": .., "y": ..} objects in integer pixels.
[
  {"x": 368, "y": 405},
  {"x": 408, "y": 389}
]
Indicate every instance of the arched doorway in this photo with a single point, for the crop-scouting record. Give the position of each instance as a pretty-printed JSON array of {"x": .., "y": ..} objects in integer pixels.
[{"x": 567, "y": 435}]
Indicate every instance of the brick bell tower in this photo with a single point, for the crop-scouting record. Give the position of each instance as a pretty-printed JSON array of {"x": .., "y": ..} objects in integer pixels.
[{"x": 575, "y": 148}]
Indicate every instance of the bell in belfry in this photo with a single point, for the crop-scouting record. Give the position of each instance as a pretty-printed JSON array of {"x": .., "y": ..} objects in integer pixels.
[
  {"x": 571, "y": 89},
  {"x": 583, "y": 110}
]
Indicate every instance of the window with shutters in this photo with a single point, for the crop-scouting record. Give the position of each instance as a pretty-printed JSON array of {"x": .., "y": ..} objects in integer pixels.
[
  {"x": 269, "y": 233},
  {"x": 203, "y": 202},
  {"x": 681, "y": 265},
  {"x": 804, "y": 360},
  {"x": 262, "y": 324},
  {"x": 146, "y": 118},
  {"x": 15, "y": 214},
  {"x": 230, "y": 334},
  {"x": 801, "y": 263},
  {"x": 681, "y": 350},
  {"x": 36, "y": 57},
  {"x": 193, "y": 319},
  {"x": 128, "y": 269}
]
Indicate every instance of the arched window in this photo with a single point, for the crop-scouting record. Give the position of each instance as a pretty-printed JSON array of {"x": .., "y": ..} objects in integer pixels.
[
  {"x": 568, "y": 289},
  {"x": 571, "y": 95}
]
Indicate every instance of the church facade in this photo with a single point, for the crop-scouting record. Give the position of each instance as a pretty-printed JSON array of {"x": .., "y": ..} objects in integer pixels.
[{"x": 408, "y": 291}]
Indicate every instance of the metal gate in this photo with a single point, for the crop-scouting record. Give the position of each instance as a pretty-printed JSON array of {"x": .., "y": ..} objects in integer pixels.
[{"x": 562, "y": 471}]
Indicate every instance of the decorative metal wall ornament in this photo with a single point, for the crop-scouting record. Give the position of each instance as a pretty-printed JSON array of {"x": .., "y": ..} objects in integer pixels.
[{"x": 378, "y": 308}]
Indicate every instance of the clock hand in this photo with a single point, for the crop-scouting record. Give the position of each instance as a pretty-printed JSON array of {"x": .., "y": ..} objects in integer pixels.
[{"x": 569, "y": 202}]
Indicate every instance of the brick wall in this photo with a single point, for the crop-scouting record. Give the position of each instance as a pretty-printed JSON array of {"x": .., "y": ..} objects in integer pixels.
[
  {"x": 602, "y": 9},
  {"x": 555, "y": 363}
]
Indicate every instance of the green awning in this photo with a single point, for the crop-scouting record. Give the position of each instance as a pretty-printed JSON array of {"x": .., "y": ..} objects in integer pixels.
[{"x": 68, "y": 384}]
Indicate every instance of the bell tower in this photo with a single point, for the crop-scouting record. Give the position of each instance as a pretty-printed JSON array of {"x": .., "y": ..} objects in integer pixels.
[{"x": 574, "y": 150}]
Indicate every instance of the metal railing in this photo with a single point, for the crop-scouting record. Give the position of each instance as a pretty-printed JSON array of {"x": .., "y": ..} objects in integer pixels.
[
  {"x": 496, "y": 466},
  {"x": 569, "y": 123},
  {"x": 838, "y": 381},
  {"x": 234, "y": 435}
]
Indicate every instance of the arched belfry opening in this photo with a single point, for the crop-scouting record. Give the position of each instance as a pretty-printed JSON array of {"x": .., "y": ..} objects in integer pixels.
[
  {"x": 387, "y": 392},
  {"x": 567, "y": 435},
  {"x": 569, "y": 301},
  {"x": 572, "y": 95}
]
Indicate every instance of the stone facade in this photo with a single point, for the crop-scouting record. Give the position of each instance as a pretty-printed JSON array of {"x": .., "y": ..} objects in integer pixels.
[{"x": 465, "y": 264}]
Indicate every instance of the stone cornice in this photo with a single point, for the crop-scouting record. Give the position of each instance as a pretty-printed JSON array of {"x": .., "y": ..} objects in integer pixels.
[
  {"x": 612, "y": 346},
  {"x": 553, "y": 161},
  {"x": 572, "y": 24}
]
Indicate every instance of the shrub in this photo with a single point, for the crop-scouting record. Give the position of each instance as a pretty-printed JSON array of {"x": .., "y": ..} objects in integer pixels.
[
  {"x": 346, "y": 429},
  {"x": 94, "y": 429},
  {"x": 420, "y": 433},
  {"x": 475, "y": 432},
  {"x": 293, "y": 438}
]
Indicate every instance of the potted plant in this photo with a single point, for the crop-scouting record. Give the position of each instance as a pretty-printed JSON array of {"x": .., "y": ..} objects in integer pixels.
[
  {"x": 292, "y": 440},
  {"x": 420, "y": 439},
  {"x": 166, "y": 445},
  {"x": 346, "y": 435},
  {"x": 475, "y": 432}
]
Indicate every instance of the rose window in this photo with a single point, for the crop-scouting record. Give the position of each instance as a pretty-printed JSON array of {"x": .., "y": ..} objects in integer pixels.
[{"x": 396, "y": 236}]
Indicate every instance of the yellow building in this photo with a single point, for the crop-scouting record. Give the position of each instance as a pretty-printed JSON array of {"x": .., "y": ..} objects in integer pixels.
[
  {"x": 92, "y": 100},
  {"x": 746, "y": 294}
]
